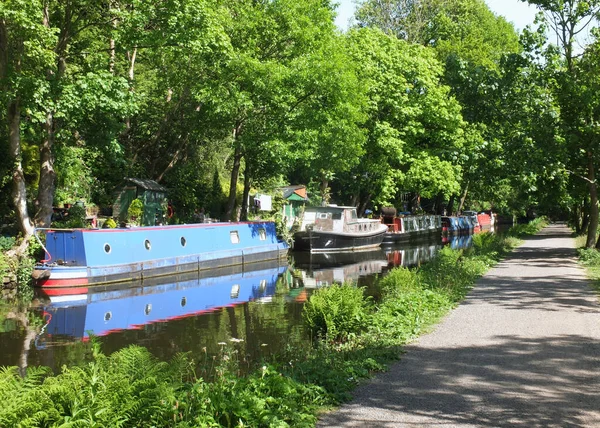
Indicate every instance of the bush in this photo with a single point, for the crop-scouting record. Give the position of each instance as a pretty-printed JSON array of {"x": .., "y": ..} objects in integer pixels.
[
  {"x": 7, "y": 242},
  {"x": 337, "y": 311},
  {"x": 110, "y": 224},
  {"x": 589, "y": 257},
  {"x": 135, "y": 211}
]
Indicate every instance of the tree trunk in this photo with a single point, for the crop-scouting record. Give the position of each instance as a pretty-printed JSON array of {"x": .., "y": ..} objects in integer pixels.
[
  {"x": 585, "y": 216},
  {"x": 247, "y": 185},
  {"x": 464, "y": 196},
  {"x": 450, "y": 205},
  {"x": 45, "y": 197},
  {"x": 13, "y": 116},
  {"x": 577, "y": 218},
  {"x": 593, "y": 217},
  {"x": 437, "y": 208},
  {"x": 324, "y": 190},
  {"x": 363, "y": 206},
  {"x": 19, "y": 192},
  {"x": 235, "y": 172}
]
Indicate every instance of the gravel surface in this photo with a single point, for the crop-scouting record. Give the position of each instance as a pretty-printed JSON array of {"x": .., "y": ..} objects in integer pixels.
[{"x": 522, "y": 350}]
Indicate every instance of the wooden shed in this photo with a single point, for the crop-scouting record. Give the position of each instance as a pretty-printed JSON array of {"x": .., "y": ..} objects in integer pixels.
[
  {"x": 295, "y": 198},
  {"x": 152, "y": 194}
]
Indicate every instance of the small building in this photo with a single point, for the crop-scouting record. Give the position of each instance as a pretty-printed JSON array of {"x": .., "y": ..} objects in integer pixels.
[
  {"x": 263, "y": 202},
  {"x": 295, "y": 198},
  {"x": 152, "y": 194}
]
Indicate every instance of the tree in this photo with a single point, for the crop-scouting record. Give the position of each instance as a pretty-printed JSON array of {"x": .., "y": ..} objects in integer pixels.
[
  {"x": 412, "y": 120},
  {"x": 575, "y": 91}
]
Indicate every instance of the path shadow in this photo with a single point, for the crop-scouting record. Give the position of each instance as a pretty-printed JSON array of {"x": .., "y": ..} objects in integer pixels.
[{"x": 549, "y": 381}]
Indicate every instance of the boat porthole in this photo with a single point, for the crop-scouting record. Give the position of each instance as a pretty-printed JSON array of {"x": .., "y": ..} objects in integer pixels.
[
  {"x": 183, "y": 241},
  {"x": 235, "y": 291},
  {"x": 107, "y": 316},
  {"x": 147, "y": 244},
  {"x": 183, "y": 301},
  {"x": 148, "y": 309},
  {"x": 107, "y": 248}
]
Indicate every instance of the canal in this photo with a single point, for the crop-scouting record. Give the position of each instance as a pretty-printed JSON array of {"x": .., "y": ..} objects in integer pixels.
[{"x": 256, "y": 313}]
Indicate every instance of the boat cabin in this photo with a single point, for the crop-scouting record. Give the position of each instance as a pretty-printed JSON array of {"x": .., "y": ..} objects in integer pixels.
[{"x": 339, "y": 219}]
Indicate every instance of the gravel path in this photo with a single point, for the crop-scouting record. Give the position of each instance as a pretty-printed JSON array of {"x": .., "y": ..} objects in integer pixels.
[{"x": 522, "y": 350}]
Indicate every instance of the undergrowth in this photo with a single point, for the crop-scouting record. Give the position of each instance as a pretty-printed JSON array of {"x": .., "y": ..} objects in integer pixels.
[{"x": 355, "y": 336}]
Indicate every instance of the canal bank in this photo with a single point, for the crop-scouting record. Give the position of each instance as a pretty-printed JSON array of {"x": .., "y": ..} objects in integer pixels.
[
  {"x": 522, "y": 349},
  {"x": 289, "y": 389}
]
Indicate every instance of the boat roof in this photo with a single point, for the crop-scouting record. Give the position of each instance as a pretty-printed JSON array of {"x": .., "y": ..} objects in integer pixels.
[{"x": 331, "y": 208}]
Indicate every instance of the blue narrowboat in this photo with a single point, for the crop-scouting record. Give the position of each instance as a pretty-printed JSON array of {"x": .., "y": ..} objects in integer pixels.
[
  {"x": 126, "y": 308},
  {"x": 79, "y": 258},
  {"x": 457, "y": 225}
]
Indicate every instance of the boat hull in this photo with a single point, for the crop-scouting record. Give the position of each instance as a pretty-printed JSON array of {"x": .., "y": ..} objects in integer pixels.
[
  {"x": 321, "y": 241},
  {"x": 87, "y": 258},
  {"x": 400, "y": 237}
]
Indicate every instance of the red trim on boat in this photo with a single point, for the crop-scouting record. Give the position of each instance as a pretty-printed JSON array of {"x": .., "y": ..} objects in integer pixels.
[
  {"x": 63, "y": 282},
  {"x": 65, "y": 291},
  {"x": 170, "y": 227}
]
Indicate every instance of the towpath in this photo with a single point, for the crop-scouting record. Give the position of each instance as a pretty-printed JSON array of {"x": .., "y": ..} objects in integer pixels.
[{"x": 522, "y": 350}]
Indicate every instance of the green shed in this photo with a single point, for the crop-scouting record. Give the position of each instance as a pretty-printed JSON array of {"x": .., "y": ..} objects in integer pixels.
[
  {"x": 295, "y": 198},
  {"x": 152, "y": 194}
]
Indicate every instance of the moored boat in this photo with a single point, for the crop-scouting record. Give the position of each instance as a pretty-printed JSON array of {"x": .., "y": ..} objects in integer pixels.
[
  {"x": 486, "y": 221},
  {"x": 405, "y": 228},
  {"x": 335, "y": 228},
  {"x": 456, "y": 225},
  {"x": 80, "y": 258}
]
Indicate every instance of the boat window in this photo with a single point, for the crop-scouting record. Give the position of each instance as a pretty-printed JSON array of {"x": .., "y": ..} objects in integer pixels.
[
  {"x": 235, "y": 291},
  {"x": 323, "y": 216},
  {"x": 107, "y": 316},
  {"x": 262, "y": 234},
  {"x": 183, "y": 301},
  {"x": 336, "y": 216},
  {"x": 234, "y": 236},
  {"x": 354, "y": 216},
  {"x": 183, "y": 241},
  {"x": 107, "y": 248},
  {"x": 147, "y": 244},
  {"x": 148, "y": 309},
  {"x": 263, "y": 285}
]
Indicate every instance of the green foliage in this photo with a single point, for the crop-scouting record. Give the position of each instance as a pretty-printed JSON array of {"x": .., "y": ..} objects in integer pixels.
[
  {"x": 337, "y": 311},
  {"x": 135, "y": 211},
  {"x": 110, "y": 223},
  {"x": 589, "y": 257},
  {"x": 6, "y": 242},
  {"x": 530, "y": 228}
]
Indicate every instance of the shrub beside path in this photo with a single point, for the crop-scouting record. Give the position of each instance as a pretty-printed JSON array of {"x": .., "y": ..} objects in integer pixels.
[{"x": 523, "y": 349}]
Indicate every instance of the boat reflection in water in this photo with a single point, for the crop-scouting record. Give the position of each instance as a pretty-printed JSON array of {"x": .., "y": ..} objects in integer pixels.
[
  {"x": 100, "y": 313},
  {"x": 458, "y": 242},
  {"x": 319, "y": 270},
  {"x": 323, "y": 269}
]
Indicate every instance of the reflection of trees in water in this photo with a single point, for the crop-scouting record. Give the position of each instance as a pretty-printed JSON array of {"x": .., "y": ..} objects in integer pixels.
[{"x": 21, "y": 314}]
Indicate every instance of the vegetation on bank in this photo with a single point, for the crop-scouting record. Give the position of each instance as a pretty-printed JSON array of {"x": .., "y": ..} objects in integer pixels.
[
  {"x": 590, "y": 259},
  {"x": 354, "y": 334}
]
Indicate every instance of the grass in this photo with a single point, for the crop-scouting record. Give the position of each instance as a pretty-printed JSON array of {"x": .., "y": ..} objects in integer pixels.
[
  {"x": 354, "y": 337},
  {"x": 590, "y": 259}
]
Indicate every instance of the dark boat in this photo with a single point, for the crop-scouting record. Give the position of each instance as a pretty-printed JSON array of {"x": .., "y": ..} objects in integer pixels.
[
  {"x": 335, "y": 228},
  {"x": 405, "y": 228},
  {"x": 80, "y": 258}
]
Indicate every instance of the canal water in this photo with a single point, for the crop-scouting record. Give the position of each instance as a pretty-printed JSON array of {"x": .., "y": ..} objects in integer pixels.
[{"x": 256, "y": 313}]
